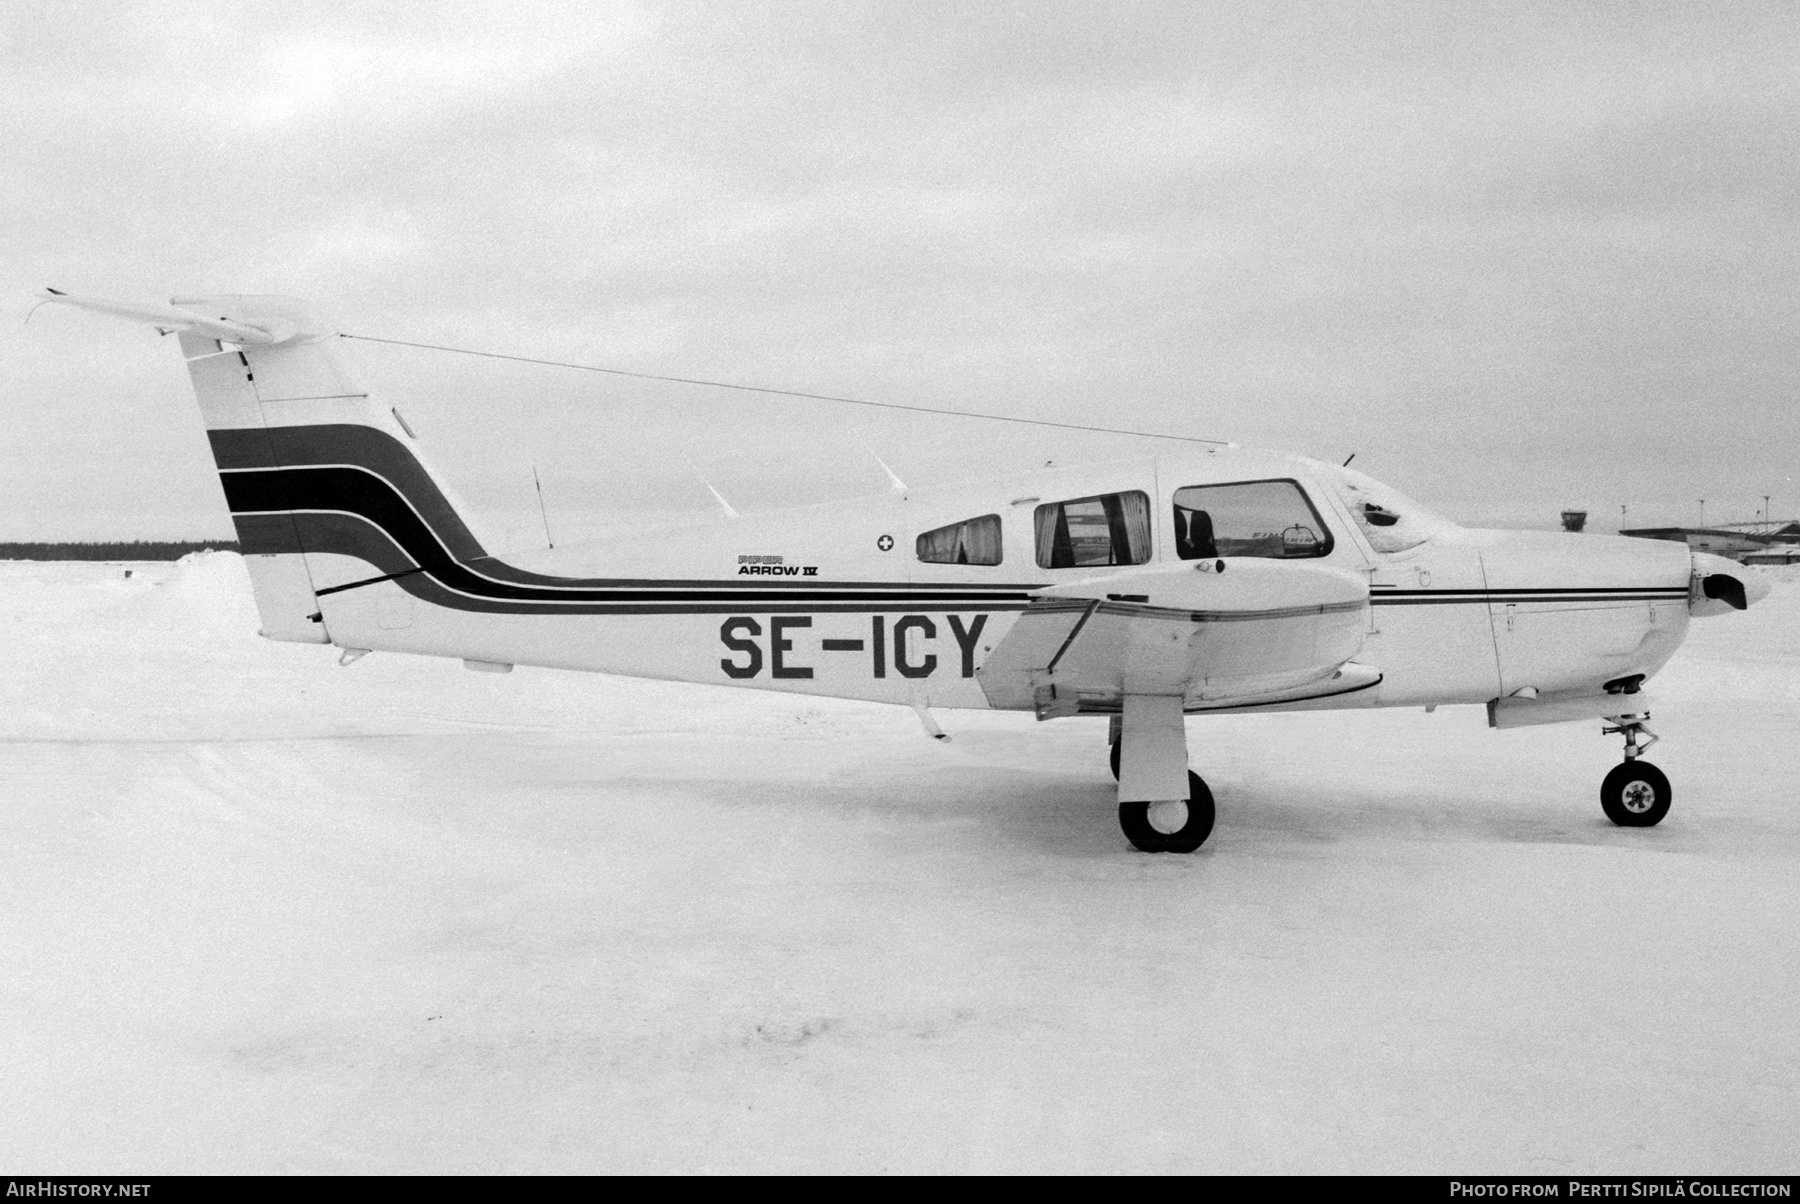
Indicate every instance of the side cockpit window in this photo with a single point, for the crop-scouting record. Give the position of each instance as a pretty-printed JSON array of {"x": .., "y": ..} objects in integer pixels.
[
  {"x": 1271, "y": 519},
  {"x": 973, "y": 541},
  {"x": 1113, "y": 528},
  {"x": 1377, "y": 515}
]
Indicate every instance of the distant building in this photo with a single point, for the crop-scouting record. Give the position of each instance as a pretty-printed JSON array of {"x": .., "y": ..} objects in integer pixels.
[
  {"x": 1574, "y": 520},
  {"x": 1738, "y": 541},
  {"x": 1781, "y": 530},
  {"x": 1781, "y": 553}
]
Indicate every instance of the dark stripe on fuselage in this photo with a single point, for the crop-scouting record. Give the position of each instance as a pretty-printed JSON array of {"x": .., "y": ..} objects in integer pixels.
[
  {"x": 1535, "y": 597},
  {"x": 365, "y": 519},
  {"x": 352, "y": 535},
  {"x": 350, "y": 444},
  {"x": 357, "y": 492},
  {"x": 1383, "y": 592}
]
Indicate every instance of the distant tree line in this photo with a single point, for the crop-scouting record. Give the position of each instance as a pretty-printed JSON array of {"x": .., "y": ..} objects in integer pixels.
[{"x": 137, "y": 549}]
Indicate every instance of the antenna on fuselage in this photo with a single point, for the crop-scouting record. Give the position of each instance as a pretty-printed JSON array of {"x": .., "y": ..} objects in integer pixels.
[
  {"x": 542, "y": 513},
  {"x": 717, "y": 496},
  {"x": 894, "y": 482},
  {"x": 1347, "y": 460}
]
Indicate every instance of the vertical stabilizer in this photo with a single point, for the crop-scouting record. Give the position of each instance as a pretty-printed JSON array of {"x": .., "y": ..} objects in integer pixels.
[{"x": 304, "y": 453}]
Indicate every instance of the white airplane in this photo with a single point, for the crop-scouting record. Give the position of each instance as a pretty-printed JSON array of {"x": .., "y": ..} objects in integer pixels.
[{"x": 1145, "y": 590}]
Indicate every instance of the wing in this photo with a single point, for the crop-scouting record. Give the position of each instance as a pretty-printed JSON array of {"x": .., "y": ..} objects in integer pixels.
[{"x": 1218, "y": 632}]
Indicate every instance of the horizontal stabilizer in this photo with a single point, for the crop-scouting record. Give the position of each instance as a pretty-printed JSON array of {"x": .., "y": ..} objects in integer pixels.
[{"x": 249, "y": 330}]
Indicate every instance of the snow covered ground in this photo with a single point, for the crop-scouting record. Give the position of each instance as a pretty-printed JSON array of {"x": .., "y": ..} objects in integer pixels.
[{"x": 259, "y": 913}]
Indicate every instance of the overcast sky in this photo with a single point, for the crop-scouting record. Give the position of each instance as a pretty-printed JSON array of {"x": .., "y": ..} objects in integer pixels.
[{"x": 1514, "y": 257}]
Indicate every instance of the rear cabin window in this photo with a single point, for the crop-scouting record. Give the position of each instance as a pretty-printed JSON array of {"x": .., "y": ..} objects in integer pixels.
[
  {"x": 1270, "y": 519},
  {"x": 1113, "y": 528},
  {"x": 972, "y": 541}
]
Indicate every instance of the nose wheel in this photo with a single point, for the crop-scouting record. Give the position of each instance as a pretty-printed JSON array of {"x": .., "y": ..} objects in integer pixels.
[{"x": 1635, "y": 794}]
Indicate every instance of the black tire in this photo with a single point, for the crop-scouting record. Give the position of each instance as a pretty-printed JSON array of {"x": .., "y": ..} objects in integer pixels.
[
  {"x": 1635, "y": 795},
  {"x": 1134, "y": 820},
  {"x": 1115, "y": 759}
]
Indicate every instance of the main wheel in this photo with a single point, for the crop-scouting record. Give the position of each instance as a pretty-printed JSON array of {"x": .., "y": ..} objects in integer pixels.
[
  {"x": 1635, "y": 795},
  {"x": 1159, "y": 832}
]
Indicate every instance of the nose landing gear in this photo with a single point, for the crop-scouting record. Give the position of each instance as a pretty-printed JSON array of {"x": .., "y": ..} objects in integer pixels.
[{"x": 1635, "y": 794}]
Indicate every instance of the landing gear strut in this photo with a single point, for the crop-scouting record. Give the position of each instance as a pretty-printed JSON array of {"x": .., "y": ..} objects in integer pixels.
[
  {"x": 1635, "y": 794},
  {"x": 1150, "y": 738}
]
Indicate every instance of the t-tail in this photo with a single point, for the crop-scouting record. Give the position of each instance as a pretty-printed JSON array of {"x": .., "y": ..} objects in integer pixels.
[{"x": 327, "y": 487}]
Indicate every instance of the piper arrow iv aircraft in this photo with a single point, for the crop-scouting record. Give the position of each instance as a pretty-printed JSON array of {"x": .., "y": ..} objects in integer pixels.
[{"x": 1145, "y": 590}]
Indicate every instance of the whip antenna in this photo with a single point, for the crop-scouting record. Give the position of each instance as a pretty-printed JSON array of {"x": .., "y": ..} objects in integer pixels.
[{"x": 542, "y": 513}]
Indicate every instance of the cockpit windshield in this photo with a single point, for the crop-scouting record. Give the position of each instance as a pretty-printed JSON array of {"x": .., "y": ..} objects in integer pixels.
[{"x": 1390, "y": 521}]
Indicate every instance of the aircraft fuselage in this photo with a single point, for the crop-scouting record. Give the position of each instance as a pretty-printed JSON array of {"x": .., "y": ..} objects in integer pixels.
[{"x": 835, "y": 600}]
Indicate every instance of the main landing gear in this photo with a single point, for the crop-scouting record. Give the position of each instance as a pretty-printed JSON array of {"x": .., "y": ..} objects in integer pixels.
[
  {"x": 1174, "y": 827},
  {"x": 1635, "y": 794},
  {"x": 1151, "y": 737}
]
